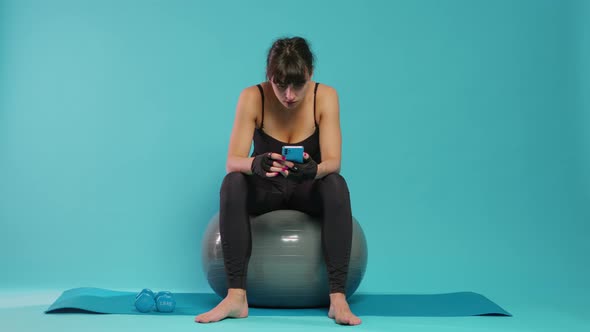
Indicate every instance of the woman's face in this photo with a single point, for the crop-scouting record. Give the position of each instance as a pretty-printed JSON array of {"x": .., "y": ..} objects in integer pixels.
[{"x": 290, "y": 95}]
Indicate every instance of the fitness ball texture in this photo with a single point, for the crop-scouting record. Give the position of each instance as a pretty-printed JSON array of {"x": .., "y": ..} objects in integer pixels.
[{"x": 287, "y": 267}]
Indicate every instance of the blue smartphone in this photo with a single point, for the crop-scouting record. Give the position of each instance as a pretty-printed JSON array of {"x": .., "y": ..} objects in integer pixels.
[{"x": 293, "y": 153}]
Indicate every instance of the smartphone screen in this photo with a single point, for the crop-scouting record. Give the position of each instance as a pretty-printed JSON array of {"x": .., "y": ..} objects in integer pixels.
[{"x": 293, "y": 153}]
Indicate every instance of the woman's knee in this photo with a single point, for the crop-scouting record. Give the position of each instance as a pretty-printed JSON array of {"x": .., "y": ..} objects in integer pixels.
[
  {"x": 334, "y": 181},
  {"x": 234, "y": 181}
]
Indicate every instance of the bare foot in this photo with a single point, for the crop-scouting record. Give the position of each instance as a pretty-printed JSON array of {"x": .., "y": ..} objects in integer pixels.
[
  {"x": 235, "y": 305},
  {"x": 340, "y": 311}
]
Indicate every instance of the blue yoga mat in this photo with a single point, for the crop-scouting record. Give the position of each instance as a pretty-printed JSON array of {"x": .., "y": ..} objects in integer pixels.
[{"x": 104, "y": 301}]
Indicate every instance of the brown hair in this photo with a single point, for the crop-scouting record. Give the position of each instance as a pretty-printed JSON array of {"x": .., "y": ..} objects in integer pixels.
[{"x": 289, "y": 61}]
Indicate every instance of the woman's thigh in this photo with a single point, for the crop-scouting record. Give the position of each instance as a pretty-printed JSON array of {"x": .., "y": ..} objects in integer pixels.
[
  {"x": 265, "y": 195},
  {"x": 306, "y": 198},
  {"x": 314, "y": 196}
]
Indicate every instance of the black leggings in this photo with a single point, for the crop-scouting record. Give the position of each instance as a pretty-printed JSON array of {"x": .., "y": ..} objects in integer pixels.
[{"x": 244, "y": 195}]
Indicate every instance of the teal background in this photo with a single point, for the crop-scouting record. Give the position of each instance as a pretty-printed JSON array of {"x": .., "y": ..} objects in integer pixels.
[{"x": 465, "y": 126}]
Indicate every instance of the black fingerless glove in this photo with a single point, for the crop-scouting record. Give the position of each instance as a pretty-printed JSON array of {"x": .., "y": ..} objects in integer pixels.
[
  {"x": 304, "y": 171},
  {"x": 261, "y": 164}
]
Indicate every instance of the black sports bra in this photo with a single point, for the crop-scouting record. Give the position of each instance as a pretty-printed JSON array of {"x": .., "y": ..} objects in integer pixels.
[{"x": 264, "y": 143}]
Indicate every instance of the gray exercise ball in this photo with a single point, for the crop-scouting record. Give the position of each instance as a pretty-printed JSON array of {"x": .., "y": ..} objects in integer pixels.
[{"x": 286, "y": 268}]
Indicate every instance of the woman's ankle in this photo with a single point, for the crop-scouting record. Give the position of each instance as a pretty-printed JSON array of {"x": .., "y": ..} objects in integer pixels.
[
  {"x": 236, "y": 292},
  {"x": 337, "y": 296}
]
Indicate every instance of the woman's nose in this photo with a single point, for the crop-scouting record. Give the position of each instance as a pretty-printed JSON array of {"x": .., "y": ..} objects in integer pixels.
[{"x": 289, "y": 93}]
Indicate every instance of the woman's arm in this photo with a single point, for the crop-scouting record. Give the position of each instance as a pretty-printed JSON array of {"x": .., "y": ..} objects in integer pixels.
[
  {"x": 330, "y": 135},
  {"x": 243, "y": 129}
]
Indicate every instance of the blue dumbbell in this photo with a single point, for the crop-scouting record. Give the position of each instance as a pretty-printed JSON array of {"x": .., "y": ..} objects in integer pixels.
[
  {"x": 165, "y": 302},
  {"x": 146, "y": 301}
]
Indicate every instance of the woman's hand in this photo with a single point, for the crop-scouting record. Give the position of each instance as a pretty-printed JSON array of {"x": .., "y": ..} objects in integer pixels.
[
  {"x": 303, "y": 171},
  {"x": 269, "y": 165}
]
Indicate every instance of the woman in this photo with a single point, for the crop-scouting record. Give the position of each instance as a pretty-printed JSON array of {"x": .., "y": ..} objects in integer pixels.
[{"x": 288, "y": 109}]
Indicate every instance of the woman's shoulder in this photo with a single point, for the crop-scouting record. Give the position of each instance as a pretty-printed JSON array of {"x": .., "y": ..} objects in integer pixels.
[
  {"x": 250, "y": 102},
  {"x": 325, "y": 89},
  {"x": 326, "y": 97},
  {"x": 251, "y": 96},
  {"x": 251, "y": 92}
]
